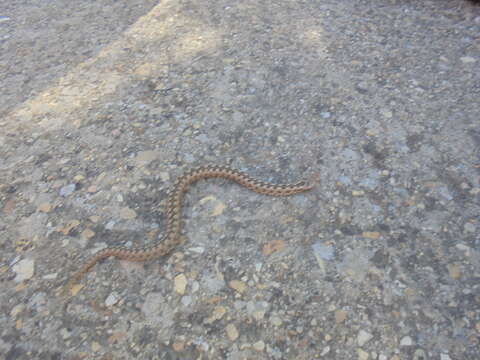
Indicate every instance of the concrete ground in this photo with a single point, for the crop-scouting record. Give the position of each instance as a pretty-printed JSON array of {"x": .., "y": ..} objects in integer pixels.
[{"x": 104, "y": 103}]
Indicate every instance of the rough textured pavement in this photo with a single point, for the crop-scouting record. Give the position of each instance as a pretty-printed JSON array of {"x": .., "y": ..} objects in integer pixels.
[{"x": 104, "y": 103}]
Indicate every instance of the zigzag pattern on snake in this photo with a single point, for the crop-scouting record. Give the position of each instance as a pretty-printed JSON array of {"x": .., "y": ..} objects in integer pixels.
[{"x": 171, "y": 237}]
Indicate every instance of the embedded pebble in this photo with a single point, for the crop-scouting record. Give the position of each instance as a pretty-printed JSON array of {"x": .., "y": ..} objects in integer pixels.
[
  {"x": 275, "y": 321},
  {"x": 24, "y": 269},
  {"x": 178, "y": 346},
  {"x": 94, "y": 218},
  {"x": 186, "y": 300},
  {"x": 467, "y": 59},
  {"x": 232, "y": 332},
  {"x": 17, "y": 309},
  {"x": 195, "y": 286},
  {"x": 238, "y": 285},
  {"x": 419, "y": 354},
  {"x": 165, "y": 176},
  {"x": 50, "y": 276},
  {"x": 112, "y": 299},
  {"x": 326, "y": 252},
  {"x": 325, "y": 351},
  {"x": 45, "y": 207},
  {"x": 363, "y": 337},
  {"x": 127, "y": 213},
  {"x": 362, "y": 87},
  {"x": 257, "y": 309},
  {"x": 371, "y": 234},
  {"x": 345, "y": 180},
  {"x": 259, "y": 346},
  {"x": 406, "y": 341},
  {"x": 217, "y": 314},
  {"x": 180, "y": 283},
  {"x": 145, "y": 157},
  {"x": 87, "y": 234},
  {"x": 273, "y": 246},
  {"x": 454, "y": 271},
  {"x": 213, "y": 283},
  {"x": 469, "y": 228},
  {"x": 358, "y": 192},
  {"x": 67, "y": 190},
  {"x": 197, "y": 250},
  {"x": 218, "y": 209},
  {"x": 325, "y": 114},
  {"x": 362, "y": 355},
  {"x": 65, "y": 333},
  {"x": 386, "y": 113},
  {"x": 340, "y": 316},
  {"x": 95, "y": 346}
]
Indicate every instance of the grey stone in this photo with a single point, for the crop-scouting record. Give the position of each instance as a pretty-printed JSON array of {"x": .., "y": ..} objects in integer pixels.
[{"x": 67, "y": 190}]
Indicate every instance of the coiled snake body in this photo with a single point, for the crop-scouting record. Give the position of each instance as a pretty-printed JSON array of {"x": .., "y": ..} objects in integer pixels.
[{"x": 171, "y": 238}]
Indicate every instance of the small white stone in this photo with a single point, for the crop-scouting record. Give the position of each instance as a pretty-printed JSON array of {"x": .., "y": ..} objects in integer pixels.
[
  {"x": 419, "y": 354},
  {"x": 462, "y": 247},
  {"x": 467, "y": 59},
  {"x": 67, "y": 190},
  {"x": 24, "y": 269},
  {"x": 358, "y": 192},
  {"x": 112, "y": 299},
  {"x": 386, "y": 113},
  {"x": 363, "y": 337},
  {"x": 232, "y": 332},
  {"x": 51, "y": 276},
  {"x": 362, "y": 355},
  {"x": 258, "y": 315},
  {"x": 65, "y": 333},
  {"x": 406, "y": 341},
  {"x": 186, "y": 300},
  {"x": 259, "y": 346},
  {"x": 198, "y": 249},
  {"x": 275, "y": 321},
  {"x": 445, "y": 357},
  {"x": 325, "y": 351},
  {"x": 165, "y": 176}
]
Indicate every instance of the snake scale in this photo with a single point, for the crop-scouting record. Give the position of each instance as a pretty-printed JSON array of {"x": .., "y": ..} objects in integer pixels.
[{"x": 171, "y": 237}]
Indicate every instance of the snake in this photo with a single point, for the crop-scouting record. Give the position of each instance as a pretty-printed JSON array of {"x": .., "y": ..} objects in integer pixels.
[{"x": 171, "y": 238}]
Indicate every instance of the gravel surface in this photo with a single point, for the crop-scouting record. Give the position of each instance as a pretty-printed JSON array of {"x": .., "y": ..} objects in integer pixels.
[{"x": 104, "y": 103}]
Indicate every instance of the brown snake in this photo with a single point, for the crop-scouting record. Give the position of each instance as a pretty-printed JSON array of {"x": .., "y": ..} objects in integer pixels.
[{"x": 171, "y": 238}]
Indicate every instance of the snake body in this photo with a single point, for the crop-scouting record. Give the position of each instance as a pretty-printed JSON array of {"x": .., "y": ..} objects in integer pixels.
[{"x": 171, "y": 237}]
